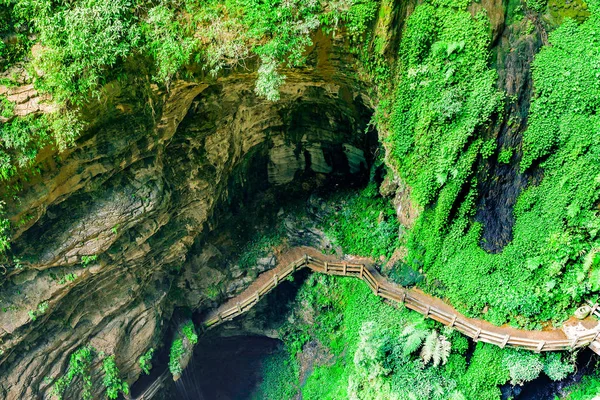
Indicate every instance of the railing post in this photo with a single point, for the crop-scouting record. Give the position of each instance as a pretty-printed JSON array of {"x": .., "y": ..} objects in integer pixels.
[
  {"x": 305, "y": 259},
  {"x": 476, "y": 338},
  {"x": 276, "y": 279},
  {"x": 345, "y": 268},
  {"x": 505, "y": 342},
  {"x": 239, "y": 308},
  {"x": 257, "y": 296},
  {"x": 574, "y": 342},
  {"x": 362, "y": 269},
  {"x": 427, "y": 311},
  {"x": 220, "y": 318},
  {"x": 326, "y": 266},
  {"x": 453, "y": 321},
  {"x": 540, "y": 346},
  {"x": 403, "y": 296}
]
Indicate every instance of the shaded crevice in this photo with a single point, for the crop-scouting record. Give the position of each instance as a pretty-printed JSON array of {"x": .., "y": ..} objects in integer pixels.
[{"x": 501, "y": 180}]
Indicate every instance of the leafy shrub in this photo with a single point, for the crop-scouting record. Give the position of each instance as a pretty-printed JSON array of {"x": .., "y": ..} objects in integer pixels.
[
  {"x": 363, "y": 224},
  {"x": 112, "y": 382},
  {"x": 79, "y": 365},
  {"x": 538, "y": 6},
  {"x": 523, "y": 366},
  {"x": 280, "y": 376},
  {"x": 145, "y": 361},
  {"x": 260, "y": 246},
  {"x": 81, "y": 39},
  {"x": 87, "y": 260},
  {"x": 168, "y": 40},
  {"x": 190, "y": 332},
  {"x": 177, "y": 351},
  {"x": 556, "y": 367}
]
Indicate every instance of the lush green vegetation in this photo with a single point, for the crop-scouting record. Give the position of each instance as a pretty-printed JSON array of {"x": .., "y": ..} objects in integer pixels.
[
  {"x": 145, "y": 361},
  {"x": 79, "y": 366},
  {"x": 280, "y": 378},
  {"x": 190, "y": 332},
  {"x": 84, "y": 44},
  {"x": 260, "y": 245},
  {"x": 444, "y": 101},
  {"x": 378, "y": 351},
  {"x": 112, "y": 382},
  {"x": 177, "y": 351},
  {"x": 363, "y": 223},
  {"x": 587, "y": 389}
]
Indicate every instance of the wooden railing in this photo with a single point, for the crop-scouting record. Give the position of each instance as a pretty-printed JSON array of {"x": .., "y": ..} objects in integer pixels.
[{"x": 479, "y": 331}]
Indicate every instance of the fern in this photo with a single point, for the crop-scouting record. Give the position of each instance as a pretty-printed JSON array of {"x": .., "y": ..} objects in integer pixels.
[
  {"x": 590, "y": 257},
  {"x": 442, "y": 351},
  {"x": 429, "y": 349},
  {"x": 414, "y": 339}
]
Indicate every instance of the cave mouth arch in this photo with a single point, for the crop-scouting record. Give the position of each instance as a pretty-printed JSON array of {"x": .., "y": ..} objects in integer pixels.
[
  {"x": 254, "y": 156},
  {"x": 232, "y": 147}
]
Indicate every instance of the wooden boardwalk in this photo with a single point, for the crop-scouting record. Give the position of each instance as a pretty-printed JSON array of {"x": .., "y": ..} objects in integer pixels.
[{"x": 415, "y": 299}]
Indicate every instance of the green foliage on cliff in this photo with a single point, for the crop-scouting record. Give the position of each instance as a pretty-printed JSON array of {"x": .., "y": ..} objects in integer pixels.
[
  {"x": 112, "y": 382},
  {"x": 363, "y": 224},
  {"x": 445, "y": 93},
  {"x": 280, "y": 377},
  {"x": 177, "y": 351},
  {"x": 79, "y": 366},
  {"x": 443, "y": 104},
  {"x": 145, "y": 361},
  {"x": 190, "y": 332}
]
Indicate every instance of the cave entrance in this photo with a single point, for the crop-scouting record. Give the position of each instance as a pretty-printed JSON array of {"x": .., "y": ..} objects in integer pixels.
[
  {"x": 257, "y": 157},
  {"x": 225, "y": 368},
  {"x": 229, "y": 362}
]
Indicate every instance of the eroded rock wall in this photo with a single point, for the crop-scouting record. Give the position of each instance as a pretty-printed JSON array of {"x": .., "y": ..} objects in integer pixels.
[{"x": 107, "y": 244}]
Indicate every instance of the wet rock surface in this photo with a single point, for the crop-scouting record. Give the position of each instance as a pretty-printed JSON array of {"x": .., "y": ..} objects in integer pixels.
[{"x": 501, "y": 182}]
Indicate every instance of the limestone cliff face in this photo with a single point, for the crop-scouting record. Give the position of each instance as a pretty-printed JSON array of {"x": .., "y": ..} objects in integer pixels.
[{"x": 110, "y": 236}]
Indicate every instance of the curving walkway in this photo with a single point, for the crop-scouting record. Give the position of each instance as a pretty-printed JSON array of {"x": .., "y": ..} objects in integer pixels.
[{"x": 415, "y": 299}]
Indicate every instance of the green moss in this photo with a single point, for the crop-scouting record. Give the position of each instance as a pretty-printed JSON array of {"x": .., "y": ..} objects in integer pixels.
[
  {"x": 563, "y": 9},
  {"x": 542, "y": 274},
  {"x": 363, "y": 223}
]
